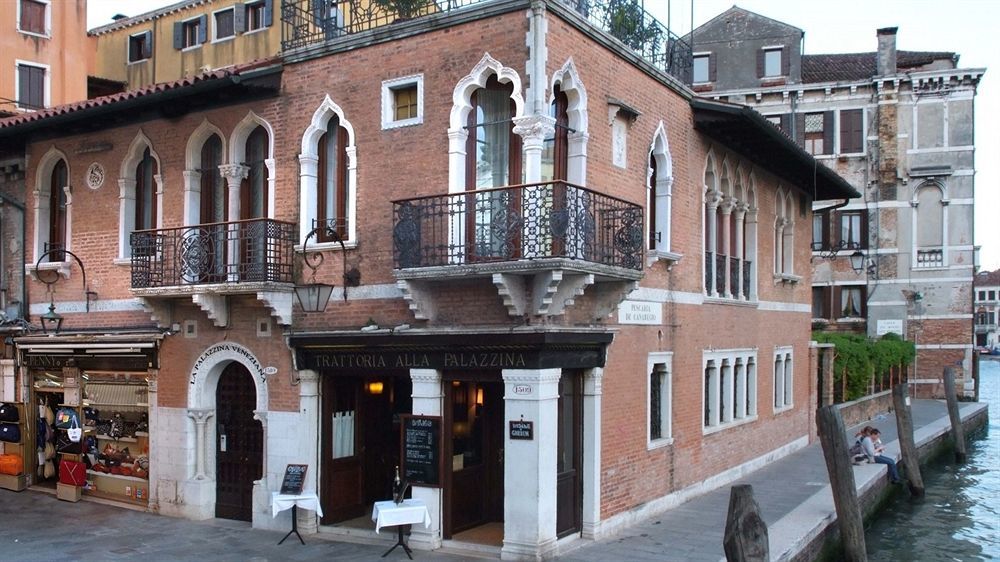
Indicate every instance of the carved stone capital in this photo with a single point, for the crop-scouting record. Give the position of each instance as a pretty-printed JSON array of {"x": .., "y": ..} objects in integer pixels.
[
  {"x": 200, "y": 415},
  {"x": 535, "y": 127},
  {"x": 234, "y": 172}
]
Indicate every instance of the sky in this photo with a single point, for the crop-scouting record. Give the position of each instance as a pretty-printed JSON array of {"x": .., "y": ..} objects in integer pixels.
[{"x": 967, "y": 27}]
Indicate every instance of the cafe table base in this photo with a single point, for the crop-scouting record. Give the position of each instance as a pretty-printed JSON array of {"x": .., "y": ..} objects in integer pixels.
[
  {"x": 400, "y": 542},
  {"x": 295, "y": 526}
]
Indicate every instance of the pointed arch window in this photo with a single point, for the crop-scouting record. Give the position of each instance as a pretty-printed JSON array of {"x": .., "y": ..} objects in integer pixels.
[
  {"x": 57, "y": 211},
  {"x": 493, "y": 150},
  {"x": 213, "y": 187},
  {"x": 555, "y": 150},
  {"x": 145, "y": 192},
  {"x": 332, "y": 178},
  {"x": 255, "y": 187}
]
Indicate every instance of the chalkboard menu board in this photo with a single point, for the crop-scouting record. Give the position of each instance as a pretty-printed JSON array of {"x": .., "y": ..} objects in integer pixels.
[
  {"x": 294, "y": 480},
  {"x": 421, "y": 454}
]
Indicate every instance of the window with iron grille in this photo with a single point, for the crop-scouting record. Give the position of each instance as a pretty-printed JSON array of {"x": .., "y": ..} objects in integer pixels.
[
  {"x": 659, "y": 394},
  {"x": 730, "y": 388}
]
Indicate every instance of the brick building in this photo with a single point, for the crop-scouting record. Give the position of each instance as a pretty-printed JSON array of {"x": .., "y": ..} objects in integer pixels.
[
  {"x": 898, "y": 125},
  {"x": 593, "y": 282},
  {"x": 987, "y": 307}
]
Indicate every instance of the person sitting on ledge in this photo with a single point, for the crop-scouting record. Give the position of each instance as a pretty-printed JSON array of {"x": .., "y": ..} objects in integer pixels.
[{"x": 873, "y": 449}]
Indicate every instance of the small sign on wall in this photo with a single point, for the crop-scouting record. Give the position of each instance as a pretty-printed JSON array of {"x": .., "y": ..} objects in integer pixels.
[
  {"x": 640, "y": 312},
  {"x": 521, "y": 429},
  {"x": 883, "y": 327}
]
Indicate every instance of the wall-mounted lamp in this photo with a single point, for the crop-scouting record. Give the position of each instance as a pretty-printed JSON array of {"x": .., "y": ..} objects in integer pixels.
[
  {"x": 859, "y": 263},
  {"x": 375, "y": 387},
  {"x": 313, "y": 297},
  {"x": 51, "y": 319}
]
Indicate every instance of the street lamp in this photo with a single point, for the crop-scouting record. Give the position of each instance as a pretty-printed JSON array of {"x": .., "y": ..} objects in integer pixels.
[
  {"x": 313, "y": 297},
  {"x": 861, "y": 263},
  {"x": 51, "y": 319}
]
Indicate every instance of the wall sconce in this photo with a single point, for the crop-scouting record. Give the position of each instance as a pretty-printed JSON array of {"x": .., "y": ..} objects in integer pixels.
[
  {"x": 861, "y": 263},
  {"x": 375, "y": 387},
  {"x": 313, "y": 297},
  {"x": 479, "y": 401},
  {"x": 51, "y": 319}
]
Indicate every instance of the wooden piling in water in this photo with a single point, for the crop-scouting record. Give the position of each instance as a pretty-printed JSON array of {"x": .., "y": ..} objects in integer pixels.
[
  {"x": 746, "y": 538},
  {"x": 907, "y": 445},
  {"x": 956, "y": 419},
  {"x": 833, "y": 437}
]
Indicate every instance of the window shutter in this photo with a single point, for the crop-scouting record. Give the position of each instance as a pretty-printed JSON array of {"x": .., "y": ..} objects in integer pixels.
[
  {"x": 786, "y": 62},
  {"x": 760, "y": 63},
  {"x": 268, "y": 11},
  {"x": 36, "y": 87},
  {"x": 147, "y": 46},
  {"x": 202, "y": 28},
  {"x": 239, "y": 18},
  {"x": 22, "y": 84},
  {"x": 864, "y": 230},
  {"x": 178, "y": 35},
  {"x": 826, "y": 230},
  {"x": 827, "y": 132},
  {"x": 800, "y": 129},
  {"x": 851, "y": 131},
  {"x": 711, "y": 67},
  {"x": 786, "y": 123},
  {"x": 838, "y": 306}
]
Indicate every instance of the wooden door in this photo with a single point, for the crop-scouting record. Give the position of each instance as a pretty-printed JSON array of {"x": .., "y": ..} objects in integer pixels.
[
  {"x": 342, "y": 450},
  {"x": 239, "y": 444},
  {"x": 569, "y": 484},
  {"x": 475, "y": 446},
  {"x": 254, "y": 195}
]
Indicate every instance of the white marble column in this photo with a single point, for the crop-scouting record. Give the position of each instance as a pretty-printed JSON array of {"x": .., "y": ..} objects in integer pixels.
[
  {"x": 200, "y": 417},
  {"x": 234, "y": 174},
  {"x": 428, "y": 398},
  {"x": 529, "y": 529},
  {"x": 592, "y": 391},
  {"x": 309, "y": 443}
]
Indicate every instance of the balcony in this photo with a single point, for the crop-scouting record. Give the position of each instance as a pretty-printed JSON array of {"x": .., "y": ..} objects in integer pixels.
[
  {"x": 305, "y": 26},
  {"x": 540, "y": 244},
  {"x": 210, "y": 261}
]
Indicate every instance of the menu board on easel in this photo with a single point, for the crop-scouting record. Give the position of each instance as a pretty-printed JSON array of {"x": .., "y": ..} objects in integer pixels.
[
  {"x": 294, "y": 480},
  {"x": 421, "y": 450}
]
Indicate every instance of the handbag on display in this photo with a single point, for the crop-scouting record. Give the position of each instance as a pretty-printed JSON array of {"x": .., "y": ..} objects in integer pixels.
[
  {"x": 50, "y": 418},
  {"x": 65, "y": 418},
  {"x": 50, "y": 451},
  {"x": 11, "y": 464},
  {"x": 50, "y": 469},
  {"x": 73, "y": 473},
  {"x": 10, "y": 432},
  {"x": 8, "y": 413},
  {"x": 75, "y": 432},
  {"x": 65, "y": 445},
  {"x": 117, "y": 426}
]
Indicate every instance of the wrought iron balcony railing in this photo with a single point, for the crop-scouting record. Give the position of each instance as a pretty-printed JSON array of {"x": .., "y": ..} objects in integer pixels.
[
  {"x": 309, "y": 22},
  {"x": 248, "y": 251},
  {"x": 522, "y": 222}
]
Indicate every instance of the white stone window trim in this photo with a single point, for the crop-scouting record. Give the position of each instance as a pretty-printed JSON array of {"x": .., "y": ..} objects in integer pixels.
[
  {"x": 48, "y": 21},
  {"x": 309, "y": 176},
  {"x": 46, "y": 84},
  {"x": 945, "y": 246},
  {"x": 665, "y": 358},
  {"x": 783, "y": 381},
  {"x": 659, "y": 196},
  {"x": 42, "y": 218},
  {"x": 748, "y": 358},
  {"x": 128, "y": 47},
  {"x": 215, "y": 28},
  {"x": 780, "y": 49},
  {"x": 198, "y": 44},
  {"x": 570, "y": 84},
  {"x": 708, "y": 71},
  {"x": 127, "y": 195},
  {"x": 389, "y": 102}
]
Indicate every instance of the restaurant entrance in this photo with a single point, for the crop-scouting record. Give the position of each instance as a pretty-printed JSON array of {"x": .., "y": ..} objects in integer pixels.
[
  {"x": 474, "y": 453},
  {"x": 360, "y": 442}
]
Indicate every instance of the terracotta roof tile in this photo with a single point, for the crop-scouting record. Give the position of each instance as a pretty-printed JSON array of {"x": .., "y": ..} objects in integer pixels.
[
  {"x": 861, "y": 66},
  {"x": 987, "y": 279}
]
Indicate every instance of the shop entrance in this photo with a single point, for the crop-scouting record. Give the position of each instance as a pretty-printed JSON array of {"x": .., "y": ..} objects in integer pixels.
[
  {"x": 360, "y": 443},
  {"x": 239, "y": 444},
  {"x": 473, "y": 445},
  {"x": 569, "y": 464}
]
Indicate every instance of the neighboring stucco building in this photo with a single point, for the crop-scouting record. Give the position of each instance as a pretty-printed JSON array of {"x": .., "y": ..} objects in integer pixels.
[
  {"x": 898, "y": 125},
  {"x": 987, "y": 307},
  {"x": 44, "y": 54},
  {"x": 592, "y": 282}
]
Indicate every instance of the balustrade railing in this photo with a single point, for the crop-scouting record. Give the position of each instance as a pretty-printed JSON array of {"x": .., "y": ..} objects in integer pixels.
[
  {"x": 746, "y": 279},
  {"x": 248, "y": 251},
  {"x": 308, "y": 22},
  {"x": 734, "y": 277},
  {"x": 523, "y": 222},
  {"x": 709, "y": 260},
  {"x": 720, "y": 274}
]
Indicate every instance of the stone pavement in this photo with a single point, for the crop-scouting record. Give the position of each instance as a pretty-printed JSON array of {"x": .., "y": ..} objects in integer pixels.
[{"x": 36, "y": 526}]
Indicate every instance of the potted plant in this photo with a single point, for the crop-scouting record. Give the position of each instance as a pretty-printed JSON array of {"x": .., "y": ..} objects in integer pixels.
[{"x": 626, "y": 21}]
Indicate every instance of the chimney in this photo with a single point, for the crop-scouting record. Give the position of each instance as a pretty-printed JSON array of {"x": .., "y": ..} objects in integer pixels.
[
  {"x": 885, "y": 59},
  {"x": 117, "y": 17}
]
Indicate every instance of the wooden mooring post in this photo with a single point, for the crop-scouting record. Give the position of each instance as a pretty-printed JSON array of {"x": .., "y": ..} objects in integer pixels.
[
  {"x": 907, "y": 445},
  {"x": 746, "y": 533},
  {"x": 957, "y": 431},
  {"x": 833, "y": 437}
]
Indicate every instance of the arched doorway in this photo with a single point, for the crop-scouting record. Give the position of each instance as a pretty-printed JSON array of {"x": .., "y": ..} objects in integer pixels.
[{"x": 239, "y": 443}]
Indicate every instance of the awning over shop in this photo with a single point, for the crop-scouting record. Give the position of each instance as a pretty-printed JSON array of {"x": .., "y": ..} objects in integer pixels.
[
  {"x": 124, "y": 352},
  {"x": 367, "y": 352}
]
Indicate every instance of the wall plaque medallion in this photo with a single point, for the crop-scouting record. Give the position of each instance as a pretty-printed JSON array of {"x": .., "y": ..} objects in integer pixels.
[{"x": 95, "y": 176}]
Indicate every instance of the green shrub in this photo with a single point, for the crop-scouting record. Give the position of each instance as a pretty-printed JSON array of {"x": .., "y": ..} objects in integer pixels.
[{"x": 861, "y": 358}]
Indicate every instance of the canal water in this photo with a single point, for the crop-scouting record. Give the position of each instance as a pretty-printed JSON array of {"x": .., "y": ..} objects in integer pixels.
[{"x": 959, "y": 518}]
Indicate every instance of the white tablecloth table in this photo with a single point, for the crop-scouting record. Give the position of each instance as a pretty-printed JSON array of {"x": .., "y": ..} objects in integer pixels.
[
  {"x": 281, "y": 502},
  {"x": 389, "y": 514}
]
